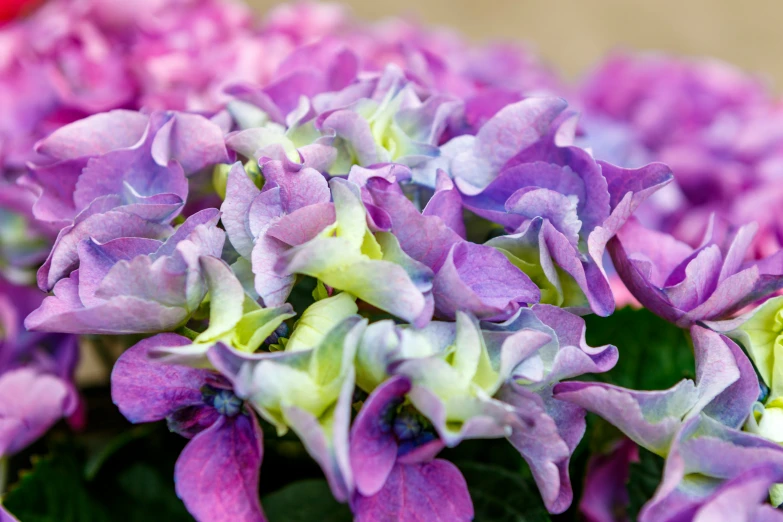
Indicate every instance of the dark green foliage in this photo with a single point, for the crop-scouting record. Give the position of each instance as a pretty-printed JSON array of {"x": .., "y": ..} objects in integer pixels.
[
  {"x": 654, "y": 354},
  {"x": 305, "y": 501},
  {"x": 500, "y": 495}
]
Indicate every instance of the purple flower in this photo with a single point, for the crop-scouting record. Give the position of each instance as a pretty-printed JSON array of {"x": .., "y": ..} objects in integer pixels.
[
  {"x": 133, "y": 285},
  {"x": 719, "y": 129},
  {"x": 685, "y": 285},
  {"x": 216, "y": 475},
  {"x": 36, "y": 372},
  {"x": 291, "y": 227},
  {"x": 560, "y": 206},
  {"x": 103, "y": 183},
  {"x": 392, "y": 452},
  {"x": 251, "y": 217},
  {"x": 494, "y": 382},
  {"x": 324, "y": 66},
  {"x": 309, "y": 390},
  {"x": 545, "y": 430}
]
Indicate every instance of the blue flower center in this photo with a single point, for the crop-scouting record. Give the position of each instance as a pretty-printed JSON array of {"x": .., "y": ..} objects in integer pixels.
[
  {"x": 224, "y": 401},
  {"x": 763, "y": 392},
  {"x": 274, "y": 337},
  {"x": 410, "y": 428},
  {"x": 406, "y": 426}
]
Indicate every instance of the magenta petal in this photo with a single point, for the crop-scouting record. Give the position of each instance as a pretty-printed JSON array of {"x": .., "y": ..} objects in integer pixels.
[
  {"x": 432, "y": 490},
  {"x": 146, "y": 390},
  {"x": 217, "y": 473},
  {"x": 30, "y": 404},
  {"x": 373, "y": 448},
  {"x": 605, "y": 493}
]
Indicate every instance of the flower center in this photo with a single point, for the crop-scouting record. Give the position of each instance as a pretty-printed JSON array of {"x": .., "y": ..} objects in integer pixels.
[
  {"x": 409, "y": 427},
  {"x": 274, "y": 337},
  {"x": 224, "y": 401}
]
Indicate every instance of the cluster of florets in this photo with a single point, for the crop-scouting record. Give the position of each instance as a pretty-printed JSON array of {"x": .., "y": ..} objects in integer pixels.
[{"x": 381, "y": 240}]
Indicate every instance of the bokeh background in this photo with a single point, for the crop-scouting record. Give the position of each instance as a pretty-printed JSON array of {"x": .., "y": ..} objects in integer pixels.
[{"x": 574, "y": 34}]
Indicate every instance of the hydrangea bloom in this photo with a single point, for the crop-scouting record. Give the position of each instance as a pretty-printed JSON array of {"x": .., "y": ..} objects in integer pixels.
[
  {"x": 414, "y": 229},
  {"x": 685, "y": 285},
  {"x": 132, "y": 284},
  {"x": 36, "y": 372},
  {"x": 718, "y": 128}
]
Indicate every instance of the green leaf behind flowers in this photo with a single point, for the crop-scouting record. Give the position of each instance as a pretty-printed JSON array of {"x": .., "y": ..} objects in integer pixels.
[{"x": 654, "y": 354}]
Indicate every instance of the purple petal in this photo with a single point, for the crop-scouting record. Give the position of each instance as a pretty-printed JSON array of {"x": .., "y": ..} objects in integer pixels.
[
  {"x": 217, "y": 473},
  {"x": 373, "y": 446},
  {"x": 433, "y": 490},
  {"x": 723, "y": 366},
  {"x": 101, "y": 227},
  {"x": 427, "y": 239},
  {"x": 536, "y": 436},
  {"x": 30, "y": 404},
  {"x": 191, "y": 140},
  {"x": 446, "y": 204},
  {"x": 651, "y": 419},
  {"x": 146, "y": 390},
  {"x": 716, "y": 454},
  {"x": 511, "y": 130},
  {"x": 330, "y": 449},
  {"x": 95, "y": 135},
  {"x": 297, "y": 189},
  {"x": 240, "y": 193},
  {"x": 481, "y": 280},
  {"x": 5, "y": 516},
  {"x": 605, "y": 493}
]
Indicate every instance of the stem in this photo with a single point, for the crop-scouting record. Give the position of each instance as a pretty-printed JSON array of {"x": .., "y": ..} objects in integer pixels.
[
  {"x": 187, "y": 332},
  {"x": 3, "y": 475}
]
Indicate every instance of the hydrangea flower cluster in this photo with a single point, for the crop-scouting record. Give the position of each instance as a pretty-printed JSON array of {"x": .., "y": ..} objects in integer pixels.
[{"x": 381, "y": 240}]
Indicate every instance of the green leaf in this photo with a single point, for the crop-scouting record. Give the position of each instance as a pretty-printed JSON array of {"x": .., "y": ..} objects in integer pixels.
[
  {"x": 128, "y": 478},
  {"x": 305, "y": 501},
  {"x": 654, "y": 354},
  {"x": 500, "y": 495},
  {"x": 54, "y": 491}
]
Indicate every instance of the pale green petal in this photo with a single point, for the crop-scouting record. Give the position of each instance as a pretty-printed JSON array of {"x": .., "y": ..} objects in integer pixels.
[
  {"x": 382, "y": 284},
  {"x": 335, "y": 354},
  {"x": 527, "y": 261},
  {"x": 350, "y": 213},
  {"x": 277, "y": 385},
  {"x": 226, "y": 298},
  {"x": 319, "y": 318},
  {"x": 763, "y": 329},
  {"x": 257, "y": 325}
]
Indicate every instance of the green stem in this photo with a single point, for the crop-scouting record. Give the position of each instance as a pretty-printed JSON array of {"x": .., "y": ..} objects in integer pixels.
[
  {"x": 3, "y": 475},
  {"x": 187, "y": 332}
]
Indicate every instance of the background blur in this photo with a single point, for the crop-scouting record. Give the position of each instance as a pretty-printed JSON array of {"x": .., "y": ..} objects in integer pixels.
[{"x": 574, "y": 34}]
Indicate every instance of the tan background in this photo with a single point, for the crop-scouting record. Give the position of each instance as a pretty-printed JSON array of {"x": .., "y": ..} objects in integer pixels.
[{"x": 574, "y": 34}]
